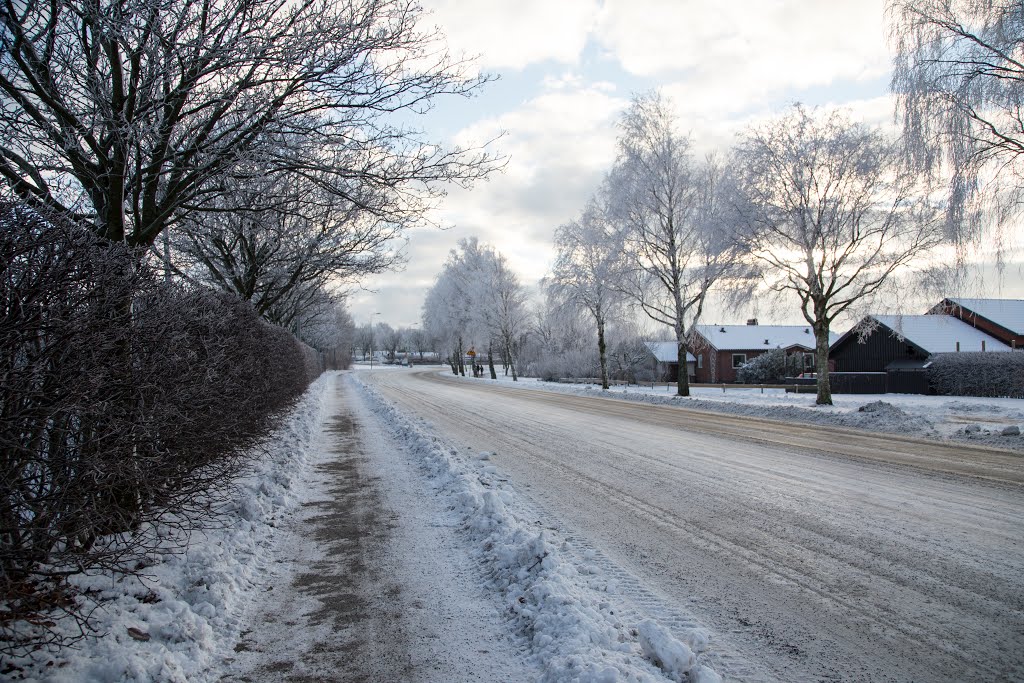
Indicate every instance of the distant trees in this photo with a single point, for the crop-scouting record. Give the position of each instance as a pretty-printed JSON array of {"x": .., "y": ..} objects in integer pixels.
[
  {"x": 671, "y": 213},
  {"x": 958, "y": 77},
  {"x": 830, "y": 215}
]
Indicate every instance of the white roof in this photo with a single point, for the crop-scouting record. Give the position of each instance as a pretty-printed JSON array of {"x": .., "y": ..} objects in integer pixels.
[
  {"x": 940, "y": 333},
  {"x": 668, "y": 352},
  {"x": 750, "y": 337},
  {"x": 1008, "y": 313}
]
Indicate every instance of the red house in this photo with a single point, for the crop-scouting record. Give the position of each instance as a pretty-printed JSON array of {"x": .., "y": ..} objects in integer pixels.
[
  {"x": 1001, "y": 318},
  {"x": 720, "y": 350}
]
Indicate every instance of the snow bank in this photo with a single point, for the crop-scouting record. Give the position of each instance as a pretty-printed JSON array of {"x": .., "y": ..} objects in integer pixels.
[
  {"x": 567, "y": 613},
  {"x": 178, "y": 620},
  {"x": 935, "y": 417}
]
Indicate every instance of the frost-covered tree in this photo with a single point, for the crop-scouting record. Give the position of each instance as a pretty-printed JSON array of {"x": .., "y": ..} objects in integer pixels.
[
  {"x": 477, "y": 299},
  {"x": 672, "y": 212},
  {"x": 128, "y": 114},
  {"x": 278, "y": 242},
  {"x": 589, "y": 270},
  {"x": 830, "y": 215},
  {"x": 958, "y": 77}
]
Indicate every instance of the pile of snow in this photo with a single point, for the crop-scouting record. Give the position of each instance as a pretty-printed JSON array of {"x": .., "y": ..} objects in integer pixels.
[
  {"x": 177, "y": 620},
  {"x": 568, "y": 614}
]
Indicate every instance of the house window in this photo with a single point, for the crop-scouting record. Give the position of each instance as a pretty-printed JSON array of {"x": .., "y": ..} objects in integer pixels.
[
  {"x": 808, "y": 361},
  {"x": 738, "y": 359},
  {"x": 700, "y": 361}
]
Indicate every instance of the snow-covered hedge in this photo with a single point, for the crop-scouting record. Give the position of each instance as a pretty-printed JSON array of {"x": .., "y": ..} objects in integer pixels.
[
  {"x": 770, "y": 368},
  {"x": 122, "y": 398},
  {"x": 978, "y": 374}
]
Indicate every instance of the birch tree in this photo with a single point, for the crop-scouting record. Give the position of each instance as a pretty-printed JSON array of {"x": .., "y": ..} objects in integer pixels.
[
  {"x": 477, "y": 299},
  {"x": 671, "y": 210},
  {"x": 958, "y": 77},
  {"x": 830, "y": 215},
  {"x": 589, "y": 270}
]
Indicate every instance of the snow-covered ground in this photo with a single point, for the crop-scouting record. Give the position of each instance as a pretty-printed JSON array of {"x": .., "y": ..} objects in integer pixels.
[
  {"x": 503, "y": 596},
  {"x": 508, "y": 593},
  {"x": 567, "y": 609},
  {"x": 179, "y": 619},
  {"x": 968, "y": 419}
]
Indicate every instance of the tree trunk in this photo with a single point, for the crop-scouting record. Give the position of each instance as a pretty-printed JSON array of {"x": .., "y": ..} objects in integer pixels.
[
  {"x": 490, "y": 362},
  {"x": 602, "y": 352},
  {"x": 821, "y": 361},
  {"x": 683, "y": 376},
  {"x": 462, "y": 359},
  {"x": 510, "y": 360}
]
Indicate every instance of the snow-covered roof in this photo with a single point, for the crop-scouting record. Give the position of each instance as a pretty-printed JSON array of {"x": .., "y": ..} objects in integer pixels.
[
  {"x": 940, "y": 333},
  {"x": 749, "y": 337},
  {"x": 667, "y": 352},
  {"x": 1007, "y": 313}
]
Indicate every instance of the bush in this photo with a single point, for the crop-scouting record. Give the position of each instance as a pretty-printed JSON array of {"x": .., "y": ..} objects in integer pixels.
[
  {"x": 978, "y": 374},
  {"x": 121, "y": 399},
  {"x": 771, "y": 367}
]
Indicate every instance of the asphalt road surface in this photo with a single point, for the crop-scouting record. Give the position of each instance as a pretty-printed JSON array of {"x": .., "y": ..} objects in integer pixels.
[{"x": 810, "y": 553}]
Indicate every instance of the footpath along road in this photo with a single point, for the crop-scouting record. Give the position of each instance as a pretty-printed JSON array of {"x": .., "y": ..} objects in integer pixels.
[{"x": 818, "y": 553}]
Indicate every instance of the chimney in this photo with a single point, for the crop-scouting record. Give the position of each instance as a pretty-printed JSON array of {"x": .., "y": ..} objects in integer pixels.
[
  {"x": 751, "y": 321},
  {"x": 766, "y": 342},
  {"x": 958, "y": 347},
  {"x": 982, "y": 344}
]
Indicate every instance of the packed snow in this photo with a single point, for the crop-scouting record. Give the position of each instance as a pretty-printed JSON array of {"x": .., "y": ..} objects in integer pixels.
[
  {"x": 994, "y": 422},
  {"x": 568, "y": 612}
]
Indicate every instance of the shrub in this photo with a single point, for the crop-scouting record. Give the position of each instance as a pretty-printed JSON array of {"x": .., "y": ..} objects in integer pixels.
[
  {"x": 978, "y": 374},
  {"x": 121, "y": 399},
  {"x": 771, "y": 367}
]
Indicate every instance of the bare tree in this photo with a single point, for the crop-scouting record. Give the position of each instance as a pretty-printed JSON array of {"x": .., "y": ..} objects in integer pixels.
[
  {"x": 589, "y": 270},
  {"x": 671, "y": 210},
  {"x": 389, "y": 339},
  {"x": 958, "y": 76},
  {"x": 127, "y": 115},
  {"x": 831, "y": 215},
  {"x": 278, "y": 242}
]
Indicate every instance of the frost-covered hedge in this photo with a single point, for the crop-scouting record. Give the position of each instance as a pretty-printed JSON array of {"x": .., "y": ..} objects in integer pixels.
[
  {"x": 978, "y": 374},
  {"x": 121, "y": 399}
]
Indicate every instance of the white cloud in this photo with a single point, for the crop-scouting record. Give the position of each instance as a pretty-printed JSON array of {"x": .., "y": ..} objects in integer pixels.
[
  {"x": 735, "y": 55},
  {"x": 558, "y": 145},
  {"x": 515, "y": 34}
]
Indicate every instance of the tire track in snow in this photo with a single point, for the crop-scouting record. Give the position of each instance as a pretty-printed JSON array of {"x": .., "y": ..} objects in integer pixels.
[{"x": 984, "y": 514}]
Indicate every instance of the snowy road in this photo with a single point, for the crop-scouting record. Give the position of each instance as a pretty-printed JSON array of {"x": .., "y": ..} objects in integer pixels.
[{"x": 809, "y": 553}]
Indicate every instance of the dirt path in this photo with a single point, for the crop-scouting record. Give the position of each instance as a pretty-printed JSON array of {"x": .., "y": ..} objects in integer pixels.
[{"x": 373, "y": 583}]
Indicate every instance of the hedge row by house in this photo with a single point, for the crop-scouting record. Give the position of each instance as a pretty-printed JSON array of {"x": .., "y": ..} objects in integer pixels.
[{"x": 978, "y": 374}]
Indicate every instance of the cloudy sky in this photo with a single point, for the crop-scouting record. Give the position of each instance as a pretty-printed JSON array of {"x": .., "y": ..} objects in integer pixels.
[{"x": 567, "y": 69}]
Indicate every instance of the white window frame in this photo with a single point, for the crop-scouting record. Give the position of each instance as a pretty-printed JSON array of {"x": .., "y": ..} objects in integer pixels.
[{"x": 736, "y": 365}]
